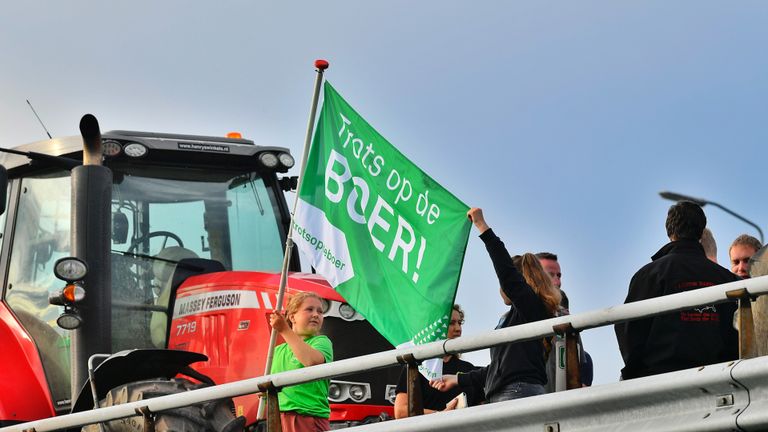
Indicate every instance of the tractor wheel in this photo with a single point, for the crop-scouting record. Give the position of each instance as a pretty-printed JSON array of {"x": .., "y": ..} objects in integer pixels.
[{"x": 212, "y": 416}]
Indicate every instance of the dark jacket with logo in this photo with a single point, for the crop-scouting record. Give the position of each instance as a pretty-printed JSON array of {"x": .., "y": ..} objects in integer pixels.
[
  {"x": 517, "y": 362},
  {"x": 684, "y": 339}
]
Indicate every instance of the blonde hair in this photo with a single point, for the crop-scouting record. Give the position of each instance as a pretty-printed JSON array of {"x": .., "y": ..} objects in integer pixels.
[
  {"x": 535, "y": 276},
  {"x": 294, "y": 304}
]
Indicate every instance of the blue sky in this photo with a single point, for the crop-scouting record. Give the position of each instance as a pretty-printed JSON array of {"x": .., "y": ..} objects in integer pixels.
[{"x": 563, "y": 120}]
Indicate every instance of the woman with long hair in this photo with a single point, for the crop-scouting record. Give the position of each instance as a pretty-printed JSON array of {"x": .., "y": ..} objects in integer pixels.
[
  {"x": 516, "y": 370},
  {"x": 538, "y": 279}
]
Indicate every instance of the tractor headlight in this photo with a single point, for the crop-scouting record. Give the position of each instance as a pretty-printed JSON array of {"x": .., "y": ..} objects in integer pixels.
[
  {"x": 70, "y": 269},
  {"x": 340, "y": 391},
  {"x": 69, "y": 320},
  {"x": 135, "y": 150},
  {"x": 326, "y": 305},
  {"x": 334, "y": 392},
  {"x": 390, "y": 393},
  {"x": 111, "y": 148},
  {"x": 286, "y": 160},
  {"x": 346, "y": 311},
  {"x": 269, "y": 160},
  {"x": 357, "y": 393}
]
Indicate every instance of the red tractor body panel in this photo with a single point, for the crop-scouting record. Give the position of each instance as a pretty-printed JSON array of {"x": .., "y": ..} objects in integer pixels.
[
  {"x": 355, "y": 412},
  {"x": 21, "y": 374}
]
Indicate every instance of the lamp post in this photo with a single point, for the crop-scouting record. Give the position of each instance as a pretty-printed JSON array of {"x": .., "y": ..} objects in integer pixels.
[{"x": 702, "y": 202}]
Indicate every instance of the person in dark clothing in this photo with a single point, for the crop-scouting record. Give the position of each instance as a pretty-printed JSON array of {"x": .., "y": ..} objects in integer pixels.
[
  {"x": 516, "y": 370},
  {"x": 688, "y": 338},
  {"x": 433, "y": 400}
]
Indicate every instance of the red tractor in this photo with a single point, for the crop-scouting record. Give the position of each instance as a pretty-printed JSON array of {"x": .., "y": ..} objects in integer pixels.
[{"x": 179, "y": 240}]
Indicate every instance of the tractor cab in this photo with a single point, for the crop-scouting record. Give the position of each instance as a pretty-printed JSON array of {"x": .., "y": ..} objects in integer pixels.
[{"x": 173, "y": 197}]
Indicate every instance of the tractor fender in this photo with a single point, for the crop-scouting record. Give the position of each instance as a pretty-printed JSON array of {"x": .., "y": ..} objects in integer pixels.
[
  {"x": 135, "y": 365},
  {"x": 22, "y": 369}
]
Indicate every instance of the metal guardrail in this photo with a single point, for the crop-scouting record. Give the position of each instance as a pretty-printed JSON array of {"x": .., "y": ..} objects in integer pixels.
[
  {"x": 722, "y": 397},
  {"x": 705, "y": 296}
]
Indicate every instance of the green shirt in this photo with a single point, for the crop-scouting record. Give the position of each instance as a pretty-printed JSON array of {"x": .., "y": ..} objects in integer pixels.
[{"x": 310, "y": 398}]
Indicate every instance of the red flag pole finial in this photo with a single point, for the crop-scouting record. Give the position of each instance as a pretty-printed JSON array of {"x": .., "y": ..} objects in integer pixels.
[{"x": 321, "y": 64}]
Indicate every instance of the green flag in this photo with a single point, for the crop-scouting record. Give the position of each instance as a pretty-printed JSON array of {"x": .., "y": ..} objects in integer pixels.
[{"x": 385, "y": 234}]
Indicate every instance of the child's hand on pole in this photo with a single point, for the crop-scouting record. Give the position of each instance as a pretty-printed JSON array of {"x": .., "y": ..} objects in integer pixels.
[{"x": 278, "y": 322}]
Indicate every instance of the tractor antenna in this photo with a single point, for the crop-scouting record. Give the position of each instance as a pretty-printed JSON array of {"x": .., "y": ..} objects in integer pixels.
[{"x": 38, "y": 119}]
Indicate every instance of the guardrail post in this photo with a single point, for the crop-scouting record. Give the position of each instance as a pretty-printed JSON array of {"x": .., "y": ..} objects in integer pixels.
[
  {"x": 747, "y": 346},
  {"x": 149, "y": 419},
  {"x": 573, "y": 377},
  {"x": 273, "y": 407},
  {"x": 415, "y": 404}
]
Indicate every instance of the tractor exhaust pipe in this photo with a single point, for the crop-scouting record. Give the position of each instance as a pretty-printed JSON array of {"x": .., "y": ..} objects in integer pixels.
[
  {"x": 90, "y": 240},
  {"x": 89, "y": 130}
]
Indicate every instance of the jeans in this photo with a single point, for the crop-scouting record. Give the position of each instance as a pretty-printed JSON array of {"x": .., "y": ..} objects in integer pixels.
[{"x": 516, "y": 390}]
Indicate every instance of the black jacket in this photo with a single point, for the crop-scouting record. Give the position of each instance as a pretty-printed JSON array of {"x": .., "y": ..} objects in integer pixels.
[
  {"x": 518, "y": 362},
  {"x": 684, "y": 339},
  {"x": 436, "y": 400}
]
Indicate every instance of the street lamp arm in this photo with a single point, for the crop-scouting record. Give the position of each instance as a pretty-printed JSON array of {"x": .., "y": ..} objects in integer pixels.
[
  {"x": 740, "y": 218},
  {"x": 674, "y": 196}
]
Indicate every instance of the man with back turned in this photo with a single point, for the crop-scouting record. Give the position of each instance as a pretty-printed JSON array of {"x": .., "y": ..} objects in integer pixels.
[{"x": 685, "y": 339}]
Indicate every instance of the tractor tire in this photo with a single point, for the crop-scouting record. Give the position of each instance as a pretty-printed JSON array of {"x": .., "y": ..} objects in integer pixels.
[{"x": 211, "y": 416}]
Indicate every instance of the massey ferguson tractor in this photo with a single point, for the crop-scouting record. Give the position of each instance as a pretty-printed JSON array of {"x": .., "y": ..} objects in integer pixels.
[{"x": 147, "y": 264}]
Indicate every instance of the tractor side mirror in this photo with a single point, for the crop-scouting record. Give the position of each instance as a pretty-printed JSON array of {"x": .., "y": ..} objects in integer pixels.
[
  {"x": 3, "y": 188},
  {"x": 119, "y": 227},
  {"x": 288, "y": 184}
]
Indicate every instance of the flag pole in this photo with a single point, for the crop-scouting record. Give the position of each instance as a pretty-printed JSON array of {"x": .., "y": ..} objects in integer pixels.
[{"x": 321, "y": 66}]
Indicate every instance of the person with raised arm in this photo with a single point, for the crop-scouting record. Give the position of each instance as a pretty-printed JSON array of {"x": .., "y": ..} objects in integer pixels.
[{"x": 516, "y": 370}]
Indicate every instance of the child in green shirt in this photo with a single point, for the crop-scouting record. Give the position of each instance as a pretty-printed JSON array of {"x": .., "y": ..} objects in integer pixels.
[{"x": 303, "y": 407}]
